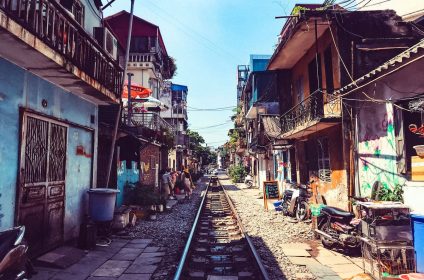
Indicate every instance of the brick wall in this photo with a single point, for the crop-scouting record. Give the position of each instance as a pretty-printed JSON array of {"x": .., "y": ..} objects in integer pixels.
[{"x": 149, "y": 157}]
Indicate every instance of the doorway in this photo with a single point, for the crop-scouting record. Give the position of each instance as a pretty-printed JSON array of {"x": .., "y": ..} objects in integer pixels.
[{"x": 41, "y": 188}]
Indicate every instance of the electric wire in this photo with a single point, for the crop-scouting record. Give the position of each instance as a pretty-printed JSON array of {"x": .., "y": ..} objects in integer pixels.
[
  {"x": 211, "y": 126},
  {"x": 183, "y": 26}
]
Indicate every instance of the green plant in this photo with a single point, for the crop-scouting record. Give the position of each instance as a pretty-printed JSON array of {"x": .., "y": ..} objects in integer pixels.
[
  {"x": 386, "y": 194},
  {"x": 237, "y": 173},
  {"x": 140, "y": 195}
]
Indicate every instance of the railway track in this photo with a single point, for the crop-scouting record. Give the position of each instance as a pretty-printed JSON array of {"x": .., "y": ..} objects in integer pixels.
[{"x": 217, "y": 247}]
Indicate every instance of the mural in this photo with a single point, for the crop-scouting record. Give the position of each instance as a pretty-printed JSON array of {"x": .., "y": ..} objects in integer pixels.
[{"x": 377, "y": 151}]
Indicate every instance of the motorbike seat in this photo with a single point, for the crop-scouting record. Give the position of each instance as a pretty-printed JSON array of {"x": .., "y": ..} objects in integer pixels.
[{"x": 333, "y": 211}]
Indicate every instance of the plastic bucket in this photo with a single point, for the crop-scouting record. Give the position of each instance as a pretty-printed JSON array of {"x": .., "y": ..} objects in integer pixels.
[
  {"x": 101, "y": 204},
  {"x": 277, "y": 205},
  {"x": 418, "y": 233}
]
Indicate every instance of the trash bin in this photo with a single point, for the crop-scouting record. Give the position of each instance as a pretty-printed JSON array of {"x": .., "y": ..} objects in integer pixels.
[
  {"x": 101, "y": 204},
  {"x": 418, "y": 233}
]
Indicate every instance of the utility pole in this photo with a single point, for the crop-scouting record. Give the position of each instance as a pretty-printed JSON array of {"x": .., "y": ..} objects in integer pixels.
[
  {"x": 129, "y": 114},
  {"x": 118, "y": 115}
]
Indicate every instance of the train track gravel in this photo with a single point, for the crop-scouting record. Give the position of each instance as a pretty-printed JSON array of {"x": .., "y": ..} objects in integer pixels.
[{"x": 269, "y": 231}]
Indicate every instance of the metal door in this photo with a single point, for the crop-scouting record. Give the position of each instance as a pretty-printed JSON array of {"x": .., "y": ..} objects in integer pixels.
[{"x": 41, "y": 200}]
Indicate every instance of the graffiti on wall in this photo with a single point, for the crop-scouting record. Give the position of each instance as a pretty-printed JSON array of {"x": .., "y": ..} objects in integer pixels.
[{"x": 377, "y": 154}]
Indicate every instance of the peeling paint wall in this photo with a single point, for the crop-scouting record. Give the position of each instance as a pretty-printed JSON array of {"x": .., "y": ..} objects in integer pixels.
[
  {"x": 126, "y": 175},
  {"x": 19, "y": 88}
]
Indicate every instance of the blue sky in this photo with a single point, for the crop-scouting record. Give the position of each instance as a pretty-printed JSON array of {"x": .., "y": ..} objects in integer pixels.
[{"x": 208, "y": 39}]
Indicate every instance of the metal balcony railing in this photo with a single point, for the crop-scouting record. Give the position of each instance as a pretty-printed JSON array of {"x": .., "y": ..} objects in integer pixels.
[
  {"x": 142, "y": 57},
  {"x": 309, "y": 110},
  {"x": 182, "y": 140},
  {"x": 148, "y": 120},
  {"x": 52, "y": 23}
]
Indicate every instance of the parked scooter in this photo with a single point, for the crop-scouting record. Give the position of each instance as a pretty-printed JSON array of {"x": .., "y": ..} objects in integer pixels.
[
  {"x": 295, "y": 201},
  {"x": 13, "y": 254},
  {"x": 248, "y": 180},
  {"x": 338, "y": 227}
]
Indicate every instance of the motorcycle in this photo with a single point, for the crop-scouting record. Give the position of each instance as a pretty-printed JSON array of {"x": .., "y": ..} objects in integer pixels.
[
  {"x": 295, "y": 201},
  {"x": 338, "y": 227},
  {"x": 13, "y": 254}
]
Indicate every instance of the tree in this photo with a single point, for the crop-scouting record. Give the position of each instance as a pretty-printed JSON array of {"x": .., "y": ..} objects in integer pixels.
[{"x": 200, "y": 151}]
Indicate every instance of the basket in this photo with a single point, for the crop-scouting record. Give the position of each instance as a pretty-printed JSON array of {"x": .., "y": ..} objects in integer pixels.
[
  {"x": 384, "y": 260},
  {"x": 419, "y": 149}
]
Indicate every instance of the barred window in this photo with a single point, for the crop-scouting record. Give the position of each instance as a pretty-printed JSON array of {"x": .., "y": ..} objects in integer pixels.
[{"x": 324, "y": 170}]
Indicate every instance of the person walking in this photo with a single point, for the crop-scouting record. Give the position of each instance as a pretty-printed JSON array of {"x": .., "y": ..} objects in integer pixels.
[
  {"x": 188, "y": 182},
  {"x": 172, "y": 181},
  {"x": 166, "y": 183}
]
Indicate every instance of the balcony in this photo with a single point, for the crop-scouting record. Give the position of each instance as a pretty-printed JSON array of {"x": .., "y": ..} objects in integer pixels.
[
  {"x": 143, "y": 122},
  {"x": 182, "y": 140},
  {"x": 179, "y": 113},
  {"x": 42, "y": 36},
  {"x": 144, "y": 60},
  {"x": 318, "y": 111}
]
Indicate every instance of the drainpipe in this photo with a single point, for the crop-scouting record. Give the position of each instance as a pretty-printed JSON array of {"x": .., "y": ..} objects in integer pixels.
[
  {"x": 355, "y": 156},
  {"x": 118, "y": 115}
]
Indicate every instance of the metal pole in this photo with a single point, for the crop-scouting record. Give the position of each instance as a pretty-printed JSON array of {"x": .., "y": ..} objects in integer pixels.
[
  {"x": 129, "y": 110},
  {"x": 118, "y": 115}
]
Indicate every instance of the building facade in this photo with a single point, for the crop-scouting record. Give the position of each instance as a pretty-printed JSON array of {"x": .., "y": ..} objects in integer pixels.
[{"x": 52, "y": 82}]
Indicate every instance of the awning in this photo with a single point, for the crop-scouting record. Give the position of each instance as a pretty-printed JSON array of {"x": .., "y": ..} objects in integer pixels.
[
  {"x": 137, "y": 91},
  {"x": 148, "y": 104},
  {"x": 272, "y": 126}
]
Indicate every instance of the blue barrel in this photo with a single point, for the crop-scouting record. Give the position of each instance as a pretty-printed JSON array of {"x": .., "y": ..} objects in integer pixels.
[
  {"x": 418, "y": 231},
  {"x": 101, "y": 204}
]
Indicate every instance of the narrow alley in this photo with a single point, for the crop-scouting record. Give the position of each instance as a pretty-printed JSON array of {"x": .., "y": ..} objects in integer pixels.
[{"x": 211, "y": 140}]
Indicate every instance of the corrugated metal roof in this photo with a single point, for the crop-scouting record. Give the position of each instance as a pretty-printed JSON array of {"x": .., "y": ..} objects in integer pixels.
[{"x": 396, "y": 61}]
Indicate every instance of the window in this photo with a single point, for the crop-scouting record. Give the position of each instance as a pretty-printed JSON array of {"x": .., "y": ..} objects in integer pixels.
[
  {"x": 324, "y": 170},
  {"x": 76, "y": 8},
  {"x": 314, "y": 77},
  {"x": 78, "y": 12},
  {"x": 328, "y": 64},
  {"x": 139, "y": 44},
  {"x": 299, "y": 90}
]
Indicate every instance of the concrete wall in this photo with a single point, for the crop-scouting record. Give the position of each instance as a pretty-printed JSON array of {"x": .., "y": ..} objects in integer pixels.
[
  {"x": 301, "y": 67},
  {"x": 19, "y": 88},
  {"x": 92, "y": 16},
  {"x": 126, "y": 175}
]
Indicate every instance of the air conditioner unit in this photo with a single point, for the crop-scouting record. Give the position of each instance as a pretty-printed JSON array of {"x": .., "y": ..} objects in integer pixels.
[{"x": 106, "y": 39}]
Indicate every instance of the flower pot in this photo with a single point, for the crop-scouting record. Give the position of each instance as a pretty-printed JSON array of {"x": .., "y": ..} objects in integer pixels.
[{"x": 419, "y": 149}]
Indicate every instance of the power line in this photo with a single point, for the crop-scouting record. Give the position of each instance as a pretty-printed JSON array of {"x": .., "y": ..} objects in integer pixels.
[
  {"x": 216, "y": 125},
  {"x": 212, "y": 109},
  {"x": 191, "y": 32}
]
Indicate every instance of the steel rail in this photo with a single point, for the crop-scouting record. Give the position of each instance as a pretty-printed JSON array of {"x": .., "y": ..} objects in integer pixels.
[
  {"x": 249, "y": 241},
  {"x": 258, "y": 262},
  {"x": 190, "y": 237}
]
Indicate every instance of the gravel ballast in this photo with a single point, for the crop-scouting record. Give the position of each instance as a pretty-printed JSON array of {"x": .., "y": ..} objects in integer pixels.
[
  {"x": 269, "y": 231},
  {"x": 170, "y": 231}
]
